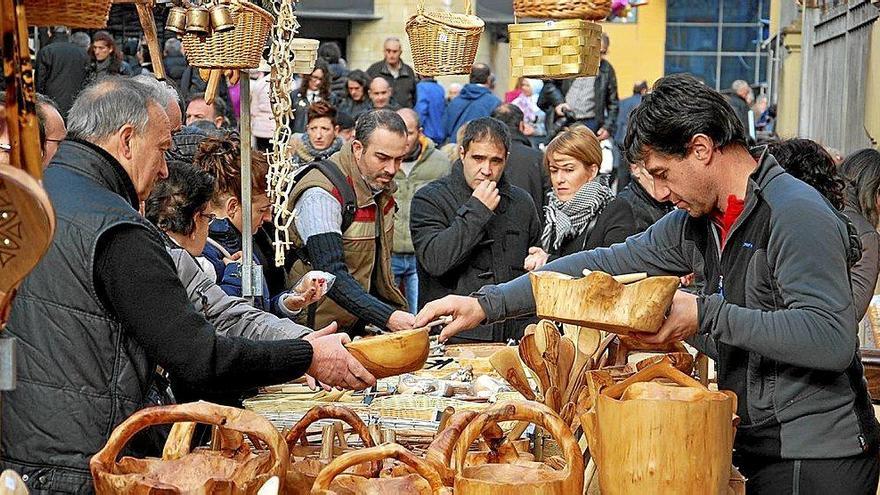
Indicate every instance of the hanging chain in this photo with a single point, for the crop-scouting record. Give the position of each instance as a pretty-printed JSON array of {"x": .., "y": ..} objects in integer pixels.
[{"x": 281, "y": 167}]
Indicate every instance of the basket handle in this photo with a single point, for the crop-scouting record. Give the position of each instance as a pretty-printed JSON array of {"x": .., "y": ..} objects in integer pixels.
[
  {"x": 468, "y": 7},
  {"x": 229, "y": 418},
  {"x": 377, "y": 454},
  {"x": 340, "y": 413},
  {"x": 661, "y": 369},
  {"x": 532, "y": 412}
]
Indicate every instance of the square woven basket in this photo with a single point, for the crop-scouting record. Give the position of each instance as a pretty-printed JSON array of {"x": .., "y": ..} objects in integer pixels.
[
  {"x": 555, "y": 49},
  {"x": 305, "y": 54}
]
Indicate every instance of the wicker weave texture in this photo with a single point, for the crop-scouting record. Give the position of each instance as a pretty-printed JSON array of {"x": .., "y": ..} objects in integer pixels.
[
  {"x": 592, "y": 10},
  {"x": 240, "y": 48},
  {"x": 87, "y": 14},
  {"x": 555, "y": 50},
  {"x": 443, "y": 43},
  {"x": 305, "y": 54}
]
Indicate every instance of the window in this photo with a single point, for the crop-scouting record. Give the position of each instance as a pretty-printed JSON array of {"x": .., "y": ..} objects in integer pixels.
[{"x": 719, "y": 41}]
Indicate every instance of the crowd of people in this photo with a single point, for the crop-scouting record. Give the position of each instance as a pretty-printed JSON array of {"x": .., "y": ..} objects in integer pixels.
[{"x": 410, "y": 205}]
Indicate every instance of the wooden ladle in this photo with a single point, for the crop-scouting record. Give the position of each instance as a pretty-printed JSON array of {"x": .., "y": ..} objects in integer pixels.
[
  {"x": 506, "y": 362},
  {"x": 528, "y": 351}
]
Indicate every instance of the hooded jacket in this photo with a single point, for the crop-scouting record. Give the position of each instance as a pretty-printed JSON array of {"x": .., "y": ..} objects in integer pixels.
[
  {"x": 474, "y": 101},
  {"x": 430, "y": 165}
]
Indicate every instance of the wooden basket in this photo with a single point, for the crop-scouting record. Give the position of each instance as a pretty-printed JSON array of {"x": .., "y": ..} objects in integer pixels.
[
  {"x": 87, "y": 14},
  {"x": 591, "y": 10},
  {"x": 305, "y": 54},
  {"x": 555, "y": 49},
  {"x": 444, "y": 43},
  {"x": 239, "y": 48}
]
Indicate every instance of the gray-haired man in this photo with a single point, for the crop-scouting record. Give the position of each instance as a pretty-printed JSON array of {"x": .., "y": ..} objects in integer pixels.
[{"x": 104, "y": 307}]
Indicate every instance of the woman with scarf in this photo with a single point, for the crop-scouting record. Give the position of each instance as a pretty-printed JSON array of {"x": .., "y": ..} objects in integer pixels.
[
  {"x": 106, "y": 59},
  {"x": 321, "y": 138}
]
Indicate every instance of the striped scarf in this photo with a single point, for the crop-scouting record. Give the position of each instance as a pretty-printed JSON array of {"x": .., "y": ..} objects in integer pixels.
[{"x": 568, "y": 219}]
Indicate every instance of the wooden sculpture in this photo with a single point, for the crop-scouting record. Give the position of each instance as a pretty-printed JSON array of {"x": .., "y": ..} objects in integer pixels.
[
  {"x": 599, "y": 301},
  {"x": 652, "y": 438},
  {"x": 234, "y": 469},
  {"x": 393, "y": 353},
  {"x": 427, "y": 481},
  {"x": 306, "y": 461},
  {"x": 519, "y": 478}
]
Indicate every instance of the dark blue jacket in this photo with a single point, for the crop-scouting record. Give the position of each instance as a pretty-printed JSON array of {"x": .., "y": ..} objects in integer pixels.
[
  {"x": 627, "y": 105},
  {"x": 473, "y": 102},
  {"x": 430, "y": 105}
]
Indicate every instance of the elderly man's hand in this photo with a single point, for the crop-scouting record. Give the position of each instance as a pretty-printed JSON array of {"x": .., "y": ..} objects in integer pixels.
[
  {"x": 679, "y": 325},
  {"x": 466, "y": 314},
  {"x": 400, "y": 320},
  {"x": 333, "y": 365}
]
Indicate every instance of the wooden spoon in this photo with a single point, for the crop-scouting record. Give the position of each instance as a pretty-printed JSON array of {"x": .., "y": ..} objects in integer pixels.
[
  {"x": 530, "y": 330},
  {"x": 506, "y": 363},
  {"x": 567, "y": 413},
  {"x": 551, "y": 351},
  {"x": 553, "y": 399},
  {"x": 530, "y": 355},
  {"x": 567, "y": 355}
]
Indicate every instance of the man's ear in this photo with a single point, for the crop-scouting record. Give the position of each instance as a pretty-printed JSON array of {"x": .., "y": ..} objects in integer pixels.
[
  {"x": 357, "y": 148},
  {"x": 126, "y": 134},
  {"x": 218, "y": 122},
  {"x": 522, "y": 126},
  {"x": 702, "y": 147},
  {"x": 231, "y": 206}
]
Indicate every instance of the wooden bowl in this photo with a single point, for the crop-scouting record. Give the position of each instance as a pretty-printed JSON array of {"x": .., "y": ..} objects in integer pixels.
[
  {"x": 393, "y": 353},
  {"x": 598, "y": 301}
]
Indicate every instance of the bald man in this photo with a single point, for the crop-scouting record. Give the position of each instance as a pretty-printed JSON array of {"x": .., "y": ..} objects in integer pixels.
[
  {"x": 400, "y": 76},
  {"x": 382, "y": 94}
]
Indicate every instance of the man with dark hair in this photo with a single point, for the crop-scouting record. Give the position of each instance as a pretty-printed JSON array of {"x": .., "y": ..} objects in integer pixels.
[
  {"x": 473, "y": 102},
  {"x": 61, "y": 69},
  {"x": 776, "y": 310},
  {"x": 329, "y": 52},
  {"x": 525, "y": 165},
  {"x": 198, "y": 109},
  {"x": 345, "y": 226},
  {"x": 473, "y": 227},
  {"x": 400, "y": 76},
  {"x": 52, "y": 128}
]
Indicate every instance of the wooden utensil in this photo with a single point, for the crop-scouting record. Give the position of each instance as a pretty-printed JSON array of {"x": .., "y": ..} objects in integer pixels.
[
  {"x": 506, "y": 363},
  {"x": 528, "y": 351},
  {"x": 625, "y": 278},
  {"x": 213, "y": 85},
  {"x": 553, "y": 399},
  {"x": 566, "y": 363},
  {"x": 530, "y": 330},
  {"x": 392, "y": 354},
  {"x": 547, "y": 335},
  {"x": 567, "y": 413}
]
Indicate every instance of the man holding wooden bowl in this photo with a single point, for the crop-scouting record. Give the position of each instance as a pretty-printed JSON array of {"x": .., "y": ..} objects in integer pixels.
[{"x": 775, "y": 311}]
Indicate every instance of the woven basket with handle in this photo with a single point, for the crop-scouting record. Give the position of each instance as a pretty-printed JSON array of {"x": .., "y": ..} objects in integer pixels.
[
  {"x": 239, "y": 48},
  {"x": 591, "y": 10},
  {"x": 305, "y": 54},
  {"x": 555, "y": 49},
  {"x": 444, "y": 43},
  {"x": 87, "y": 14}
]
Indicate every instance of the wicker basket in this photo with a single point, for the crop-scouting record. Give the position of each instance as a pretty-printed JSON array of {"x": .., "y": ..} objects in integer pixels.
[
  {"x": 240, "y": 48},
  {"x": 444, "y": 43},
  {"x": 87, "y": 14},
  {"x": 591, "y": 10},
  {"x": 555, "y": 49},
  {"x": 305, "y": 54}
]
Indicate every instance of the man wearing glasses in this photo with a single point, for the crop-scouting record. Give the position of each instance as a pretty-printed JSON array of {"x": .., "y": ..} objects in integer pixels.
[{"x": 52, "y": 129}]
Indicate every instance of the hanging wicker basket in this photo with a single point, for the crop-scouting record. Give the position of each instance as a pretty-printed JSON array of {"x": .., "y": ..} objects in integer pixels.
[
  {"x": 85, "y": 14},
  {"x": 305, "y": 54},
  {"x": 591, "y": 10},
  {"x": 444, "y": 43},
  {"x": 555, "y": 49},
  {"x": 239, "y": 48}
]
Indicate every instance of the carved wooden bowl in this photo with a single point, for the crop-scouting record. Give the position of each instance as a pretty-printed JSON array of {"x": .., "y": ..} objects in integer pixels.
[
  {"x": 392, "y": 354},
  {"x": 598, "y": 301},
  {"x": 234, "y": 469}
]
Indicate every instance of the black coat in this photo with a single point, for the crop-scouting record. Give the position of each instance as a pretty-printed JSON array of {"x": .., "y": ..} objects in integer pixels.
[
  {"x": 404, "y": 85},
  {"x": 553, "y": 93},
  {"x": 174, "y": 67},
  {"x": 525, "y": 170},
  {"x": 741, "y": 109},
  {"x": 61, "y": 72},
  {"x": 461, "y": 245}
]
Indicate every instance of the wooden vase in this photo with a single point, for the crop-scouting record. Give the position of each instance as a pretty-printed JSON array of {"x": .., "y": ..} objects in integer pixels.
[
  {"x": 306, "y": 461},
  {"x": 598, "y": 301},
  {"x": 392, "y": 354},
  {"x": 234, "y": 469},
  {"x": 652, "y": 438}
]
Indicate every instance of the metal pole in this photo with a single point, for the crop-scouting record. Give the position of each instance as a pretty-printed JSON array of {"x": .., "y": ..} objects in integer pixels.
[{"x": 249, "y": 288}]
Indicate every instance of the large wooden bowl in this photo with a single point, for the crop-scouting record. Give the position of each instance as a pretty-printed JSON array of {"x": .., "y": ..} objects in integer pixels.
[
  {"x": 393, "y": 353},
  {"x": 598, "y": 301},
  {"x": 234, "y": 469}
]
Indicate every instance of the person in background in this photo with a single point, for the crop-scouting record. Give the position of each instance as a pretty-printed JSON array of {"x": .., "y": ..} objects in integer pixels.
[
  {"x": 453, "y": 91},
  {"x": 525, "y": 165},
  {"x": 106, "y": 59},
  {"x": 346, "y": 126},
  {"x": 234, "y": 92},
  {"x": 627, "y": 105},
  {"x": 523, "y": 98},
  {"x": 741, "y": 100},
  {"x": 130, "y": 48},
  {"x": 473, "y": 227},
  {"x": 51, "y": 125},
  {"x": 199, "y": 110},
  {"x": 400, "y": 76},
  {"x": 82, "y": 40},
  {"x": 175, "y": 62},
  {"x": 451, "y": 150},
  {"x": 329, "y": 52},
  {"x": 578, "y": 199},
  {"x": 355, "y": 102},
  {"x": 192, "y": 85},
  {"x": 475, "y": 101},
  {"x": 422, "y": 164},
  {"x": 321, "y": 138},
  {"x": 61, "y": 69},
  {"x": 262, "y": 118},
  {"x": 430, "y": 105},
  {"x": 382, "y": 95},
  {"x": 315, "y": 87}
]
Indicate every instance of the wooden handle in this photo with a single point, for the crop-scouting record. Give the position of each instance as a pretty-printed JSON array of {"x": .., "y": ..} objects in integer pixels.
[
  {"x": 230, "y": 418},
  {"x": 298, "y": 432},
  {"x": 660, "y": 369},
  {"x": 179, "y": 441},
  {"x": 439, "y": 453},
  {"x": 148, "y": 24},
  {"x": 213, "y": 86},
  {"x": 532, "y": 412},
  {"x": 377, "y": 454}
]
